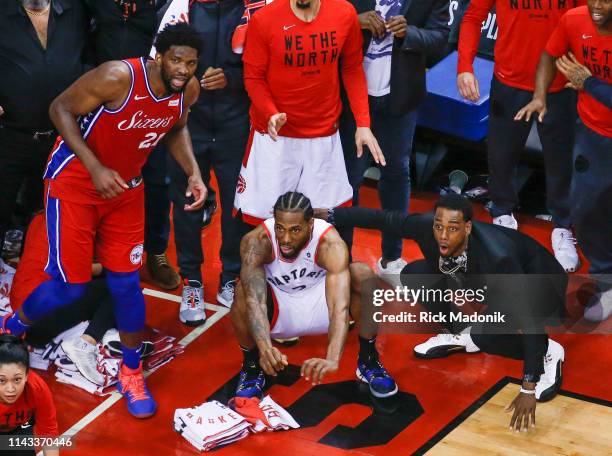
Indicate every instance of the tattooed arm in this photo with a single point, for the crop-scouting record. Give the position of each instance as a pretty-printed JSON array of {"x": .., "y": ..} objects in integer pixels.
[
  {"x": 255, "y": 252},
  {"x": 333, "y": 257}
]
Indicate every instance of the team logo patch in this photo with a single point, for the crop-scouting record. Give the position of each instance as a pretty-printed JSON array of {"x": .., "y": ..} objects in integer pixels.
[
  {"x": 136, "y": 254},
  {"x": 241, "y": 186},
  {"x": 173, "y": 103}
]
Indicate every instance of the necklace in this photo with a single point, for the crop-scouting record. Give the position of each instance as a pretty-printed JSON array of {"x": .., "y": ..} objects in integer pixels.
[
  {"x": 451, "y": 265},
  {"x": 38, "y": 13}
]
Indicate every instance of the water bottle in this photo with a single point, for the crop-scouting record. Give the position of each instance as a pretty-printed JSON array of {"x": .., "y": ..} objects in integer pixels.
[{"x": 12, "y": 244}]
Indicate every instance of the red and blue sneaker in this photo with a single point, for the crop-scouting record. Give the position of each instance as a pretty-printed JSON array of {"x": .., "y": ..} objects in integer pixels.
[
  {"x": 376, "y": 376},
  {"x": 251, "y": 382},
  {"x": 132, "y": 385},
  {"x": 4, "y": 329}
]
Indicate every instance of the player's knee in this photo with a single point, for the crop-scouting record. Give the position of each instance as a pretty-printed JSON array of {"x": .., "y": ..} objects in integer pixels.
[
  {"x": 360, "y": 272},
  {"x": 128, "y": 300},
  {"x": 50, "y": 296},
  {"x": 123, "y": 282},
  {"x": 69, "y": 291}
]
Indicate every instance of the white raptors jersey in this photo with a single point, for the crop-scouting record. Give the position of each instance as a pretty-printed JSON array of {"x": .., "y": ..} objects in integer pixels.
[{"x": 302, "y": 272}]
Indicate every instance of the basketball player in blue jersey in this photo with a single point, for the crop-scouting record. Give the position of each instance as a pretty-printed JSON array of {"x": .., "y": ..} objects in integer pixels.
[{"x": 295, "y": 280}]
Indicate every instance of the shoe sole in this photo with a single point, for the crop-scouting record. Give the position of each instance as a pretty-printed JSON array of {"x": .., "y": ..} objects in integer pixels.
[
  {"x": 143, "y": 416},
  {"x": 224, "y": 302},
  {"x": 362, "y": 379},
  {"x": 574, "y": 269},
  {"x": 436, "y": 353},
  {"x": 140, "y": 416},
  {"x": 287, "y": 343},
  {"x": 192, "y": 322}
]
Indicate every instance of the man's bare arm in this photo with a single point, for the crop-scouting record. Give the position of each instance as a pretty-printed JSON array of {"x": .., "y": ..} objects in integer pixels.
[
  {"x": 545, "y": 75},
  {"x": 108, "y": 85},
  {"x": 255, "y": 251},
  {"x": 333, "y": 256}
]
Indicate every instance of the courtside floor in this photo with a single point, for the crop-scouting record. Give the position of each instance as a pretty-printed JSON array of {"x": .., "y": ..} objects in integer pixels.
[{"x": 448, "y": 406}]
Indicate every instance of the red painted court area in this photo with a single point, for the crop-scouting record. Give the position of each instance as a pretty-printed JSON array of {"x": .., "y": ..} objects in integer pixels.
[{"x": 337, "y": 417}]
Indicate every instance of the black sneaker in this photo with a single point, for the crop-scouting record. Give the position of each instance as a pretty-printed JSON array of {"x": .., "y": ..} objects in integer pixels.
[
  {"x": 251, "y": 382},
  {"x": 376, "y": 376}
]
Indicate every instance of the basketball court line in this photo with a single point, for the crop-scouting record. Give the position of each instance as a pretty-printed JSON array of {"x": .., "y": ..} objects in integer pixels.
[{"x": 219, "y": 313}]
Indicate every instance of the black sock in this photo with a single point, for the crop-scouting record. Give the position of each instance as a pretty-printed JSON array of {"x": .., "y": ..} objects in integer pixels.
[
  {"x": 367, "y": 349},
  {"x": 251, "y": 357}
]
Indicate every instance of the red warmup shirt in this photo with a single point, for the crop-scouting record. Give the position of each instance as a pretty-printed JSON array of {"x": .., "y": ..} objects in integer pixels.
[
  {"x": 291, "y": 66},
  {"x": 524, "y": 29},
  {"x": 577, "y": 32},
  {"x": 122, "y": 139},
  {"x": 35, "y": 402},
  {"x": 31, "y": 269}
]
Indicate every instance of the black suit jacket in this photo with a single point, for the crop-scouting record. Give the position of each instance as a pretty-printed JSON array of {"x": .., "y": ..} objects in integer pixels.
[
  {"x": 427, "y": 36},
  {"x": 535, "y": 293}
]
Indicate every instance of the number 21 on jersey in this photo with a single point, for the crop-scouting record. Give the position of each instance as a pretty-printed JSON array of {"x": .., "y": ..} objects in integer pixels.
[{"x": 151, "y": 140}]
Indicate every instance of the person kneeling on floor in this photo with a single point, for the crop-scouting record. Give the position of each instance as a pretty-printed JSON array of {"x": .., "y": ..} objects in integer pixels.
[
  {"x": 463, "y": 253},
  {"x": 295, "y": 280}
]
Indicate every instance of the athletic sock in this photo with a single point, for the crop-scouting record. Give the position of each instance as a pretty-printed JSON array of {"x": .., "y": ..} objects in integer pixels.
[
  {"x": 131, "y": 356},
  {"x": 367, "y": 349},
  {"x": 250, "y": 358}
]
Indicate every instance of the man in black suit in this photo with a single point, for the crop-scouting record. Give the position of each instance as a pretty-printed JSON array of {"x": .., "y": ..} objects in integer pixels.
[
  {"x": 399, "y": 36},
  {"x": 523, "y": 282}
]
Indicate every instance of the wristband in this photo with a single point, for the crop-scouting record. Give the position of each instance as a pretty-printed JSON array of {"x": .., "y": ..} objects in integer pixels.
[{"x": 523, "y": 390}]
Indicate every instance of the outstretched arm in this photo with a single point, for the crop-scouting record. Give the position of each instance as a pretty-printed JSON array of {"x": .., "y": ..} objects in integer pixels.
[
  {"x": 397, "y": 223},
  {"x": 333, "y": 257},
  {"x": 255, "y": 252}
]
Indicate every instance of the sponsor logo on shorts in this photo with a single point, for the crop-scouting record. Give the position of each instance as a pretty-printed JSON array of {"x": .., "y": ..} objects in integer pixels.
[
  {"x": 136, "y": 254},
  {"x": 241, "y": 186}
]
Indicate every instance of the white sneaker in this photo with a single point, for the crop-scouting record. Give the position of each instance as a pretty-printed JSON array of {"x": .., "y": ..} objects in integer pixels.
[
  {"x": 564, "y": 246},
  {"x": 391, "y": 274},
  {"x": 599, "y": 307},
  {"x": 225, "y": 296},
  {"x": 550, "y": 380},
  {"x": 191, "y": 311},
  {"x": 443, "y": 345},
  {"x": 507, "y": 220},
  {"x": 83, "y": 355}
]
